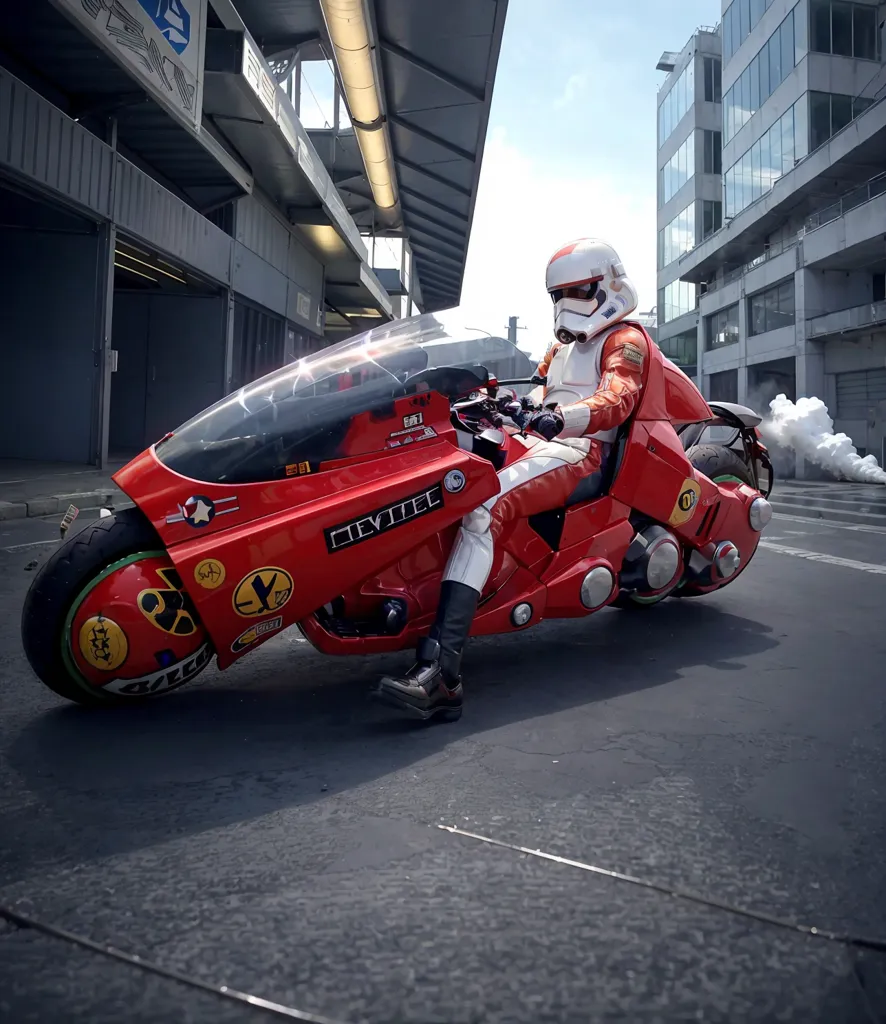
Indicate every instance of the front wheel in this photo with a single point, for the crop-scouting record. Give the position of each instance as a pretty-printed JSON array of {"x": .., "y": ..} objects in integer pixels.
[{"x": 107, "y": 619}]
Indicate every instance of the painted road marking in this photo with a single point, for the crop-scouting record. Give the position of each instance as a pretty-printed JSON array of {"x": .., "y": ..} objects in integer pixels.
[
  {"x": 817, "y": 556},
  {"x": 25, "y": 547},
  {"x": 855, "y": 527}
]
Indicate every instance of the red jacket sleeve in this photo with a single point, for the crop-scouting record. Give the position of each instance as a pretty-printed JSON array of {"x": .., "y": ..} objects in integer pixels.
[
  {"x": 624, "y": 358},
  {"x": 545, "y": 365}
]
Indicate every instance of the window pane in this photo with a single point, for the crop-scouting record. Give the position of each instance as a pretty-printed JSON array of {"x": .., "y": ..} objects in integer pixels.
[
  {"x": 718, "y": 82},
  {"x": 769, "y": 304},
  {"x": 718, "y": 149},
  {"x": 860, "y": 104},
  {"x": 765, "y": 86},
  {"x": 758, "y": 9},
  {"x": 756, "y": 170},
  {"x": 841, "y": 26},
  {"x": 865, "y": 35},
  {"x": 775, "y": 159},
  {"x": 774, "y": 61},
  {"x": 745, "y": 14},
  {"x": 787, "y": 45},
  {"x": 819, "y": 119},
  {"x": 841, "y": 112},
  {"x": 820, "y": 19},
  {"x": 800, "y": 129},
  {"x": 787, "y": 142},
  {"x": 754, "y": 98},
  {"x": 757, "y": 315},
  {"x": 727, "y": 33}
]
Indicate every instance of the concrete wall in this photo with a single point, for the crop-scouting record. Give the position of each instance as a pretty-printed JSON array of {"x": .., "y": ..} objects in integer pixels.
[
  {"x": 170, "y": 364},
  {"x": 48, "y": 332}
]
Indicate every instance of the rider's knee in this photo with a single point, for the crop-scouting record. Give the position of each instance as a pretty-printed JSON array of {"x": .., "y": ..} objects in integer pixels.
[{"x": 477, "y": 521}]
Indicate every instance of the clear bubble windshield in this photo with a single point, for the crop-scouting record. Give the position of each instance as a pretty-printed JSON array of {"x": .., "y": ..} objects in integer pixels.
[{"x": 302, "y": 412}]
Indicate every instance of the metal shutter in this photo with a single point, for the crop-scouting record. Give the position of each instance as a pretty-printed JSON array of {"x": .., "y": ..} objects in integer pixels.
[{"x": 859, "y": 391}]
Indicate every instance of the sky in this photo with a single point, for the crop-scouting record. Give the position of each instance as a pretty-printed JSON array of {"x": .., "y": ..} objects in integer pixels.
[{"x": 570, "y": 151}]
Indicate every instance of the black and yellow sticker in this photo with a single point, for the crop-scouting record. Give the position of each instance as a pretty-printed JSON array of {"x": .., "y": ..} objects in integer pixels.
[
  {"x": 262, "y": 591},
  {"x": 684, "y": 506},
  {"x": 209, "y": 574},
  {"x": 103, "y": 643},
  {"x": 169, "y": 608}
]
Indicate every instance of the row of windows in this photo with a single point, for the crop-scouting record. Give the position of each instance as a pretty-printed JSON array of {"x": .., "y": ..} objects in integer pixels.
[
  {"x": 845, "y": 29},
  {"x": 771, "y": 156},
  {"x": 740, "y": 17},
  {"x": 676, "y": 299},
  {"x": 828, "y": 113},
  {"x": 674, "y": 106},
  {"x": 682, "y": 349},
  {"x": 763, "y": 75},
  {"x": 687, "y": 229},
  {"x": 774, "y": 308},
  {"x": 681, "y": 167},
  {"x": 767, "y": 311}
]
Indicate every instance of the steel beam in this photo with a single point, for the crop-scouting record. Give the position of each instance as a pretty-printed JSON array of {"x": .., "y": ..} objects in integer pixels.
[
  {"x": 430, "y": 137},
  {"x": 442, "y": 76}
]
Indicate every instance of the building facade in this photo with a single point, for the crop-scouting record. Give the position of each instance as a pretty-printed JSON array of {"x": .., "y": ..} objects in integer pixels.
[
  {"x": 689, "y": 190},
  {"x": 789, "y": 292},
  {"x": 172, "y": 228}
]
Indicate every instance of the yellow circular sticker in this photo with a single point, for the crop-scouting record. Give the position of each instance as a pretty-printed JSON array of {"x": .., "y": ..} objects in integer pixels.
[
  {"x": 103, "y": 644},
  {"x": 262, "y": 591},
  {"x": 210, "y": 573}
]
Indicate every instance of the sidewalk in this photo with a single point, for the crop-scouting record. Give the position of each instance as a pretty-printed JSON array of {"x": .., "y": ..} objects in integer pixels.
[
  {"x": 839, "y": 500},
  {"x": 29, "y": 489}
]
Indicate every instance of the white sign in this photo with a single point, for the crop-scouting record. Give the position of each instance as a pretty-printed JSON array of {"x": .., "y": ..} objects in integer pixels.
[
  {"x": 303, "y": 306},
  {"x": 160, "y": 42},
  {"x": 262, "y": 84}
]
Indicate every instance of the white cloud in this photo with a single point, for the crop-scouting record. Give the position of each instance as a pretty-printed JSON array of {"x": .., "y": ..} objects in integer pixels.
[
  {"x": 574, "y": 85},
  {"x": 526, "y": 209}
]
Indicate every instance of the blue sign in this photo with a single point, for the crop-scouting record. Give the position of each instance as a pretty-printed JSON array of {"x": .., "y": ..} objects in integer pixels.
[{"x": 173, "y": 20}]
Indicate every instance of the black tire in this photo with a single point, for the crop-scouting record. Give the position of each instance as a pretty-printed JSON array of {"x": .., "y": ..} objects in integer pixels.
[
  {"x": 717, "y": 462},
  {"x": 57, "y": 584}
]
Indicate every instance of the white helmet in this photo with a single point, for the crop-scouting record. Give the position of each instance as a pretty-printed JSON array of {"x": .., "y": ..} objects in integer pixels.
[{"x": 589, "y": 288}]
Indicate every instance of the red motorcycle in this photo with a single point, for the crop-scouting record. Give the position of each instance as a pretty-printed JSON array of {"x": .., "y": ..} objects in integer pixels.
[{"x": 328, "y": 495}]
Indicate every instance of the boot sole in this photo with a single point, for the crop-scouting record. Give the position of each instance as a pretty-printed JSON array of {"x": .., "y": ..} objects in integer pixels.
[{"x": 411, "y": 711}]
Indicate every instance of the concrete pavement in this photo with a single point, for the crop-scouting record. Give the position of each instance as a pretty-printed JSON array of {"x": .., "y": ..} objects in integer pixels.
[{"x": 268, "y": 829}]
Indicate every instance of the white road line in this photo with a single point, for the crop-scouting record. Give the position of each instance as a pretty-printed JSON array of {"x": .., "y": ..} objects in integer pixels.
[
  {"x": 855, "y": 527},
  {"x": 817, "y": 556},
  {"x": 25, "y": 547}
]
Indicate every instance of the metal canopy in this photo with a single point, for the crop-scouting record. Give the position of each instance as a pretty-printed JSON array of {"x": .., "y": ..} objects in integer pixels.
[
  {"x": 48, "y": 52},
  {"x": 438, "y": 62},
  {"x": 253, "y": 113}
]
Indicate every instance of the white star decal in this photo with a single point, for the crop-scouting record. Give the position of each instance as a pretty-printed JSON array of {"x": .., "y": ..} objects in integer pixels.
[{"x": 201, "y": 513}]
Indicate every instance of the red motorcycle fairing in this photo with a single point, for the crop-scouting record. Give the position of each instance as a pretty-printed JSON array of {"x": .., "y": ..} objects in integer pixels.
[{"x": 290, "y": 546}]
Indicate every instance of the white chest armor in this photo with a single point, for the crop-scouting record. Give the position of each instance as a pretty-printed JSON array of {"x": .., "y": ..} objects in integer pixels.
[{"x": 575, "y": 374}]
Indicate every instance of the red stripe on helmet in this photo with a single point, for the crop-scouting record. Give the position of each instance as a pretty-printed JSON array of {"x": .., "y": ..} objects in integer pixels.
[{"x": 565, "y": 251}]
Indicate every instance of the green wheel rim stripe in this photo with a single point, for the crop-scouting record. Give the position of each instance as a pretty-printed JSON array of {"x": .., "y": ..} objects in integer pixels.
[
  {"x": 649, "y": 600},
  {"x": 66, "y": 638}
]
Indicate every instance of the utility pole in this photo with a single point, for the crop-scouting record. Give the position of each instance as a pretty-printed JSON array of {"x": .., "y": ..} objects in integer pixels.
[{"x": 513, "y": 328}]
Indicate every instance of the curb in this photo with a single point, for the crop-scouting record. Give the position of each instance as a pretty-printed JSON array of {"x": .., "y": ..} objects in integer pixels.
[{"x": 57, "y": 503}]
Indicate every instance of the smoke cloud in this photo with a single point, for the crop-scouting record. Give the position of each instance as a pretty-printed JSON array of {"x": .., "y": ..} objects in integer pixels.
[{"x": 807, "y": 428}]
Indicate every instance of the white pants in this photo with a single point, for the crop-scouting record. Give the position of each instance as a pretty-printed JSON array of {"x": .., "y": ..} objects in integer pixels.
[{"x": 470, "y": 560}]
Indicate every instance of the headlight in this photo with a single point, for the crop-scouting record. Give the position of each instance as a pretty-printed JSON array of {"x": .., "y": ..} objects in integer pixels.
[{"x": 759, "y": 514}]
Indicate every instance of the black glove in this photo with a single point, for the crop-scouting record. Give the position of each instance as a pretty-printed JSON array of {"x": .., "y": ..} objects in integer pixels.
[{"x": 547, "y": 422}]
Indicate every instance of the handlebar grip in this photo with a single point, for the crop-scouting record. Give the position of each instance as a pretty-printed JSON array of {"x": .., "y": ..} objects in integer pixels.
[{"x": 537, "y": 379}]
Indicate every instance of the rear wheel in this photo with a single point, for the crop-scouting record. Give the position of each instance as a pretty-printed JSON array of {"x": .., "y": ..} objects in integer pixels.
[
  {"x": 107, "y": 620},
  {"x": 720, "y": 464}
]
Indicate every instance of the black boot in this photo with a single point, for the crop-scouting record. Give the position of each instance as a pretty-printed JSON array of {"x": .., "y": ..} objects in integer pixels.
[{"x": 432, "y": 687}]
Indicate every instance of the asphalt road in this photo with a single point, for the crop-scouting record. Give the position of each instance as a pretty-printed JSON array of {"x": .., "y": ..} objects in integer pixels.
[{"x": 268, "y": 829}]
